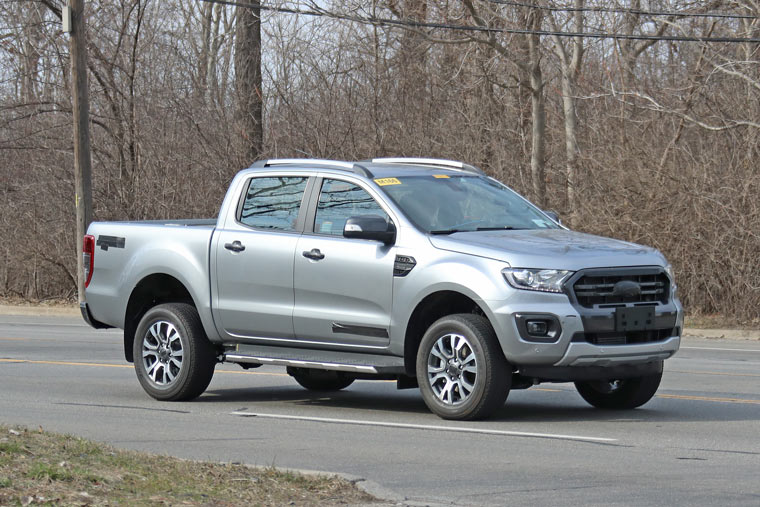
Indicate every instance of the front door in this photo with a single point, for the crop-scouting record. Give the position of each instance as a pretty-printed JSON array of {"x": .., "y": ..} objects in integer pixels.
[
  {"x": 343, "y": 287},
  {"x": 254, "y": 260}
]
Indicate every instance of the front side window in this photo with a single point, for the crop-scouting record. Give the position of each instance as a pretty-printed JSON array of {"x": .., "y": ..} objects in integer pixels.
[
  {"x": 273, "y": 203},
  {"x": 340, "y": 200}
]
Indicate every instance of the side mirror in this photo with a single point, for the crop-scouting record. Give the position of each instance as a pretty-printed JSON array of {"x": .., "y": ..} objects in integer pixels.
[
  {"x": 553, "y": 215},
  {"x": 370, "y": 227}
]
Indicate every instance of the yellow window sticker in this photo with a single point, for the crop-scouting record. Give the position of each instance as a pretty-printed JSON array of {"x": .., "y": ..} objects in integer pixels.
[
  {"x": 387, "y": 181},
  {"x": 441, "y": 176}
]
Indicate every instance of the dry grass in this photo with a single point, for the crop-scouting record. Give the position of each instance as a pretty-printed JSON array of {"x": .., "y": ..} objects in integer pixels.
[
  {"x": 719, "y": 322},
  {"x": 42, "y": 468}
]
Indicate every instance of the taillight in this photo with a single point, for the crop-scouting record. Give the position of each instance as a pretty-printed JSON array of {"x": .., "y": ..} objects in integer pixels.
[{"x": 88, "y": 253}]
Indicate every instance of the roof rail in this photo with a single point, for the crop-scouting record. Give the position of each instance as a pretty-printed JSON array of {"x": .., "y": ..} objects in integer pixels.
[
  {"x": 437, "y": 162},
  {"x": 334, "y": 164},
  {"x": 310, "y": 161}
]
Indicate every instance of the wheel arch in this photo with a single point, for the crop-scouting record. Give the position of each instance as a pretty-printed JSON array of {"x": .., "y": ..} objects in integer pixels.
[
  {"x": 150, "y": 291},
  {"x": 431, "y": 308}
]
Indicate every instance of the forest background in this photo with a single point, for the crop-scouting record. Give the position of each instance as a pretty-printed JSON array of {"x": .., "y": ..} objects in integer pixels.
[{"x": 649, "y": 136}]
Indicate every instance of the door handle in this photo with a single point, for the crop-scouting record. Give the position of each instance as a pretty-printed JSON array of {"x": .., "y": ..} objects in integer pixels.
[
  {"x": 314, "y": 254},
  {"x": 235, "y": 246}
]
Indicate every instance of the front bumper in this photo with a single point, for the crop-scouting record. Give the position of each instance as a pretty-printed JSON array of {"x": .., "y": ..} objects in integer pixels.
[
  {"x": 587, "y": 354},
  {"x": 588, "y": 337}
]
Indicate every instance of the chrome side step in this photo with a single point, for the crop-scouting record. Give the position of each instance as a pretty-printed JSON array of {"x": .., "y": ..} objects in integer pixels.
[
  {"x": 359, "y": 363},
  {"x": 355, "y": 368}
]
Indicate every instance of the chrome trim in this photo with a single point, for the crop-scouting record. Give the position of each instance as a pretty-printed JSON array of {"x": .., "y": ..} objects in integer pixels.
[
  {"x": 239, "y": 358},
  {"x": 437, "y": 162},
  {"x": 309, "y": 161},
  {"x": 307, "y": 342},
  {"x": 413, "y": 160}
]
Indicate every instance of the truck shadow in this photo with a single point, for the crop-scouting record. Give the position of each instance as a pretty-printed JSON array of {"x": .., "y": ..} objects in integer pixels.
[{"x": 561, "y": 406}]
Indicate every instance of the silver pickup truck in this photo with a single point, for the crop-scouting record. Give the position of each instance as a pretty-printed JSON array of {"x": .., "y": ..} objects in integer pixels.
[{"x": 422, "y": 271}]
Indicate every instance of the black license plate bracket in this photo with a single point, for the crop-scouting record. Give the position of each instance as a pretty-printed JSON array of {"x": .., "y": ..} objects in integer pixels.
[{"x": 639, "y": 318}]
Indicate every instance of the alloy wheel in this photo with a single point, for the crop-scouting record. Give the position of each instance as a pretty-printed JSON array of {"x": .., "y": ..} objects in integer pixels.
[
  {"x": 452, "y": 369},
  {"x": 162, "y": 353}
]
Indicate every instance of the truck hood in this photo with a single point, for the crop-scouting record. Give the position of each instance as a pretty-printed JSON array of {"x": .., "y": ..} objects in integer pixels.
[{"x": 550, "y": 249}]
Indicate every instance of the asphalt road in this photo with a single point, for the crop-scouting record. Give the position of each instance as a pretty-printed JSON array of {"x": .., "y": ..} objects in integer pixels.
[{"x": 696, "y": 443}]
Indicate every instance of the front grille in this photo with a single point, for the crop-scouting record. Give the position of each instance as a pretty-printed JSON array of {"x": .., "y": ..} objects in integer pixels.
[
  {"x": 597, "y": 288},
  {"x": 626, "y": 338}
]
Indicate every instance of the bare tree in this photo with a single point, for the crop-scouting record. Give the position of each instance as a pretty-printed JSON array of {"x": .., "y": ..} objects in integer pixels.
[
  {"x": 570, "y": 58},
  {"x": 248, "y": 81},
  {"x": 648, "y": 141}
]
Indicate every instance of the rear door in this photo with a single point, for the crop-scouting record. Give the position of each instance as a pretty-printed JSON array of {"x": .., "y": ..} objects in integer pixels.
[
  {"x": 343, "y": 287},
  {"x": 254, "y": 252}
]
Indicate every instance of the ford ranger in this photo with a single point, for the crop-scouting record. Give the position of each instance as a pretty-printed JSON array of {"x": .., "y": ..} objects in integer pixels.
[{"x": 422, "y": 271}]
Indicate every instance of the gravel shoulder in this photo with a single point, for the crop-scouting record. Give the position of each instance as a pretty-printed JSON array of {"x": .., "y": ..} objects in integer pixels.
[{"x": 54, "y": 310}]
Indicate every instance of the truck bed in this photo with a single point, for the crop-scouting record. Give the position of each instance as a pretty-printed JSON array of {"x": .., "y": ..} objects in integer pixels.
[{"x": 127, "y": 252}]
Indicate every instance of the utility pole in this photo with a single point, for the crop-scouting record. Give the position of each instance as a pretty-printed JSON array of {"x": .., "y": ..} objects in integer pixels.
[{"x": 74, "y": 24}]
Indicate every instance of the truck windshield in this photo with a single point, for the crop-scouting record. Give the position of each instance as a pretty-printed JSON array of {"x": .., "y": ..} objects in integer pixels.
[{"x": 445, "y": 204}]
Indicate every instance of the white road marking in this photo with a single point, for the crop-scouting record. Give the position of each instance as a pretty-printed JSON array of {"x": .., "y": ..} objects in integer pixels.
[
  {"x": 455, "y": 429},
  {"x": 717, "y": 348}
]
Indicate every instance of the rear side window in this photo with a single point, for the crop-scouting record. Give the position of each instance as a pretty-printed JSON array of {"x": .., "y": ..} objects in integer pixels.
[
  {"x": 340, "y": 200},
  {"x": 273, "y": 203}
]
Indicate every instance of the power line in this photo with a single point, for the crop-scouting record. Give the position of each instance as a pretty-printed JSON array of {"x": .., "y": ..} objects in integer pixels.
[
  {"x": 638, "y": 12},
  {"x": 378, "y": 21}
]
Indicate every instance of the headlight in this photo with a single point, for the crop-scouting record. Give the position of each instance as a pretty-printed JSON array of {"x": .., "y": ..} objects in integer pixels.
[{"x": 544, "y": 280}]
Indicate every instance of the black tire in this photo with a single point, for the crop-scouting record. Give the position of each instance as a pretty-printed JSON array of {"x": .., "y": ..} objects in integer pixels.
[
  {"x": 478, "y": 362},
  {"x": 165, "y": 333},
  {"x": 619, "y": 394},
  {"x": 320, "y": 380}
]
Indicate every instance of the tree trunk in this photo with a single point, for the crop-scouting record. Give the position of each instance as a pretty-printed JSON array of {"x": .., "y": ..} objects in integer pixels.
[
  {"x": 248, "y": 81},
  {"x": 571, "y": 142},
  {"x": 570, "y": 64},
  {"x": 538, "y": 145},
  {"x": 538, "y": 114}
]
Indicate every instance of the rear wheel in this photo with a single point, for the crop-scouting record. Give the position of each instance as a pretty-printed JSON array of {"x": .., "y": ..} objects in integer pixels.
[
  {"x": 619, "y": 394},
  {"x": 320, "y": 380},
  {"x": 173, "y": 358},
  {"x": 461, "y": 370}
]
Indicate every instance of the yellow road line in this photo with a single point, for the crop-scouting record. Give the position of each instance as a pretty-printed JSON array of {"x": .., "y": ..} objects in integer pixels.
[
  {"x": 715, "y": 373},
  {"x": 107, "y": 365},
  {"x": 64, "y": 363},
  {"x": 708, "y": 398}
]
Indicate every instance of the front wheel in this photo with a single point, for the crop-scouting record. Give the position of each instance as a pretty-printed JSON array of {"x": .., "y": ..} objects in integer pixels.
[
  {"x": 173, "y": 358},
  {"x": 461, "y": 370},
  {"x": 619, "y": 394}
]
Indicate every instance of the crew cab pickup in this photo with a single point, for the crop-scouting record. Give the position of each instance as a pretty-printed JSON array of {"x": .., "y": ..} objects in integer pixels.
[{"x": 422, "y": 271}]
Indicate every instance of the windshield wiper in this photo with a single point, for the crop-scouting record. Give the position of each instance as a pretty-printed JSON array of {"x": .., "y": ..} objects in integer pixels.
[{"x": 444, "y": 232}]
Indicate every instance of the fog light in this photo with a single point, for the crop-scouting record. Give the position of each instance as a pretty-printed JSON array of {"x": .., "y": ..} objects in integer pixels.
[{"x": 537, "y": 327}]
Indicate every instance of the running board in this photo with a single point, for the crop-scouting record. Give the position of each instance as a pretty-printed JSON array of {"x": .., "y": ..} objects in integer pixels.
[{"x": 371, "y": 364}]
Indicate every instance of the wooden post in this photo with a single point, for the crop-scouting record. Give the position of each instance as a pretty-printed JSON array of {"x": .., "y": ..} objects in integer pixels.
[{"x": 80, "y": 105}]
